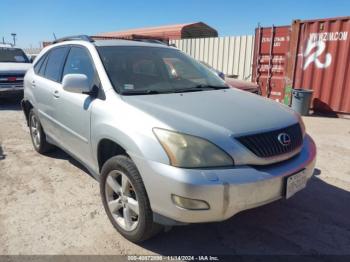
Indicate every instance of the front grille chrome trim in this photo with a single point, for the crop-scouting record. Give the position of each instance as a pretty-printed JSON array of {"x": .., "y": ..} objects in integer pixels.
[{"x": 266, "y": 144}]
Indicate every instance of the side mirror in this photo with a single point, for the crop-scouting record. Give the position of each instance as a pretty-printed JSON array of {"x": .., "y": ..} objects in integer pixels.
[
  {"x": 221, "y": 75},
  {"x": 76, "y": 83}
]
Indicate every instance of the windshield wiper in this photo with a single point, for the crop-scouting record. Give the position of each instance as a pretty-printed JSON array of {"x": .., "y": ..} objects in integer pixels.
[
  {"x": 139, "y": 92},
  {"x": 197, "y": 88},
  {"x": 200, "y": 87}
]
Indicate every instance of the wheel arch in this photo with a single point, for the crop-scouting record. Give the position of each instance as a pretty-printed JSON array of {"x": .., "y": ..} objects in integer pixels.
[
  {"x": 26, "y": 107},
  {"x": 108, "y": 148}
]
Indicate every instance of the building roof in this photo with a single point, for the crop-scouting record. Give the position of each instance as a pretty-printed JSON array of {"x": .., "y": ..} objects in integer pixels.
[
  {"x": 178, "y": 31},
  {"x": 122, "y": 42}
]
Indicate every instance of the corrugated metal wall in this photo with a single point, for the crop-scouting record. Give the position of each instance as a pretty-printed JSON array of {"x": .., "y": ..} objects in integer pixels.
[
  {"x": 232, "y": 55},
  {"x": 32, "y": 51}
]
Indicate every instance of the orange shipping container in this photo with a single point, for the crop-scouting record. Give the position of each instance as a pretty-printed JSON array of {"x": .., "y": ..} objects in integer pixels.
[
  {"x": 323, "y": 62},
  {"x": 270, "y": 60},
  {"x": 311, "y": 54}
]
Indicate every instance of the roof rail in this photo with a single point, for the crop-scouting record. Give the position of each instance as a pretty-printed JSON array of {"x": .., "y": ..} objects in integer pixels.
[
  {"x": 74, "y": 37},
  {"x": 134, "y": 37}
]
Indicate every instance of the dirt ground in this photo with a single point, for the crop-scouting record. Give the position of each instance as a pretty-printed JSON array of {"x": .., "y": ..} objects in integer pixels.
[{"x": 50, "y": 205}]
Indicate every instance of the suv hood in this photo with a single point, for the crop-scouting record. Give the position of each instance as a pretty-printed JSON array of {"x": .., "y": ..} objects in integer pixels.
[
  {"x": 228, "y": 111},
  {"x": 14, "y": 68}
]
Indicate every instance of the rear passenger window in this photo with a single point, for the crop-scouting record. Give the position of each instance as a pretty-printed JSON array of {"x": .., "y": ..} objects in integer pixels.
[
  {"x": 79, "y": 62},
  {"x": 55, "y": 62},
  {"x": 43, "y": 66},
  {"x": 39, "y": 64}
]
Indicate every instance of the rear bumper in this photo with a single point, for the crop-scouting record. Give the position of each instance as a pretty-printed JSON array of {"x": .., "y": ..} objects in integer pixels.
[
  {"x": 227, "y": 191},
  {"x": 6, "y": 91}
]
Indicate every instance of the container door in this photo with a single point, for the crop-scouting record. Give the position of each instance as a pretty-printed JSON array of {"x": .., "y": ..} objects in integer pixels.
[{"x": 270, "y": 60}]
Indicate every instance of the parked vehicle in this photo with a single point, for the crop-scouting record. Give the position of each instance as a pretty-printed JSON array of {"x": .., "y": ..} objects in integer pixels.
[
  {"x": 243, "y": 85},
  {"x": 235, "y": 83},
  {"x": 13, "y": 65},
  {"x": 219, "y": 73},
  {"x": 168, "y": 147},
  {"x": 31, "y": 57}
]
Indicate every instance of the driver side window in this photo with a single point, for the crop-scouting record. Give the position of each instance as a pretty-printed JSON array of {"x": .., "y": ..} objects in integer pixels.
[{"x": 79, "y": 62}]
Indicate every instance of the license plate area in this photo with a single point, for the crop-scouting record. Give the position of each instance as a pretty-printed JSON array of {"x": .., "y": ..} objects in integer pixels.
[{"x": 295, "y": 183}]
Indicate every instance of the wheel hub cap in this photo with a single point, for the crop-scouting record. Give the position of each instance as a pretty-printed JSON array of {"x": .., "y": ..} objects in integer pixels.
[{"x": 122, "y": 200}]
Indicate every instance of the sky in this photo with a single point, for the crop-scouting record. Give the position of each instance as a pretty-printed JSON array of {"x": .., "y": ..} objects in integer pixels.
[{"x": 36, "y": 20}]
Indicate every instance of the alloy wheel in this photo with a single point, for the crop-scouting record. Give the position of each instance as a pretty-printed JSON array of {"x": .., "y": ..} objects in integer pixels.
[
  {"x": 35, "y": 132},
  {"x": 122, "y": 200}
]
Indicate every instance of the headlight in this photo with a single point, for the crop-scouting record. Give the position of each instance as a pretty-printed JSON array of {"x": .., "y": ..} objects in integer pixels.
[{"x": 190, "y": 152}]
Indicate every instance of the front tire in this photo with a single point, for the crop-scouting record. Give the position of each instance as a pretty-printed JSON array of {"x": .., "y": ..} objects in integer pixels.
[
  {"x": 125, "y": 200},
  {"x": 37, "y": 134}
]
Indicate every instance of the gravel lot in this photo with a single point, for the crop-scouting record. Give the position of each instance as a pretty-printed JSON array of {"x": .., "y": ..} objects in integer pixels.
[{"x": 50, "y": 205}]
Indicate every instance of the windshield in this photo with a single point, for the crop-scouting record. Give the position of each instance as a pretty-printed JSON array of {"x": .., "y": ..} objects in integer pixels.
[
  {"x": 152, "y": 70},
  {"x": 12, "y": 55}
]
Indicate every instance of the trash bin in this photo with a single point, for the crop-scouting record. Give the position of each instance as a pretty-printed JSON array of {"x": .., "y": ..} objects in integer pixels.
[{"x": 301, "y": 99}]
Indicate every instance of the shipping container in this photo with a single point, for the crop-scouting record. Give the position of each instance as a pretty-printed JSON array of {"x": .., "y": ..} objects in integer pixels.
[
  {"x": 270, "y": 60},
  {"x": 322, "y": 62},
  {"x": 310, "y": 54}
]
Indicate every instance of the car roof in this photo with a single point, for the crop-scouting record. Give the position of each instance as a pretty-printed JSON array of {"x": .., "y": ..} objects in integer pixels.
[
  {"x": 8, "y": 46},
  {"x": 103, "y": 41}
]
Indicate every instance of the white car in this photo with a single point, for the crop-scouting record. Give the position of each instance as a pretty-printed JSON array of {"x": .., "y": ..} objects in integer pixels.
[{"x": 13, "y": 65}]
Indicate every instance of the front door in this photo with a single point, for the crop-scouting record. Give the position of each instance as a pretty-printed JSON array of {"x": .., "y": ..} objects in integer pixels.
[{"x": 73, "y": 110}]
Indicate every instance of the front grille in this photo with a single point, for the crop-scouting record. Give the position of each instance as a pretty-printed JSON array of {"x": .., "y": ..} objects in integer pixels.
[{"x": 267, "y": 144}]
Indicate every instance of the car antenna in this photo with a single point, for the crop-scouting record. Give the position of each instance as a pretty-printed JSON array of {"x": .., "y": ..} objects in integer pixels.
[{"x": 54, "y": 36}]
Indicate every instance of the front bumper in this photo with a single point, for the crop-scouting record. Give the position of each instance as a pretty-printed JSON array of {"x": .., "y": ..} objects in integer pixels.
[{"x": 227, "y": 191}]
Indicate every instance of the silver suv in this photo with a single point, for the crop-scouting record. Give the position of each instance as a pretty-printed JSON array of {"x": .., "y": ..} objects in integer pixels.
[{"x": 168, "y": 141}]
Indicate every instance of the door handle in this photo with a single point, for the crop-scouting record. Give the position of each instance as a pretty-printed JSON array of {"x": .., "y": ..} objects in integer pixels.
[
  {"x": 56, "y": 94},
  {"x": 33, "y": 84}
]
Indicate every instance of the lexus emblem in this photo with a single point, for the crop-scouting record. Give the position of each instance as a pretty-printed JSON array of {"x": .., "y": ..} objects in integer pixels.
[{"x": 284, "y": 139}]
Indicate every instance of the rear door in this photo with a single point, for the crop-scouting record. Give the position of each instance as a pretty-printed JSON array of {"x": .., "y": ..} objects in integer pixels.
[{"x": 48, "y": 71}]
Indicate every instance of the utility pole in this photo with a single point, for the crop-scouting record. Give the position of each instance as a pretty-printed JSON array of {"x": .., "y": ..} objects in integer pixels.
[
  {"x": 14, "y": 38},
  {"x": 3, "y": 40}
]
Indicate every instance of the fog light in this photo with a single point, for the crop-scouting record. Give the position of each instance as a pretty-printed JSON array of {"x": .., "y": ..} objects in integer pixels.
[{"x": 188, "y": 203}]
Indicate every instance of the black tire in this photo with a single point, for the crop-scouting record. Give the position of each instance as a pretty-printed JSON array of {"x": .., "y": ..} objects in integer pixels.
[
  {"x": 145, "y": 228},
  {"x": 43, "y": 146}
]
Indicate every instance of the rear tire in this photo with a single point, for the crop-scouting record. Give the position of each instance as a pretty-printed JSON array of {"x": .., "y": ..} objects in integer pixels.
[
  {"x": 123, "y": 193},
  {"x": 37, "y": 134}
]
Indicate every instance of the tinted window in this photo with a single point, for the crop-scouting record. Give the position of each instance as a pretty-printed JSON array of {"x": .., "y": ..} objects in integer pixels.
[
  {"x": 144, "y": 69},
  {"x": 55, "y": 62},
  {"x": 12, "y": 55},
  {"x": 177, "y": 68},
  {"x": 79, "y": 62},
  {"x": 39, "y": 64},
  {"x": 43, "y": 66}
]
